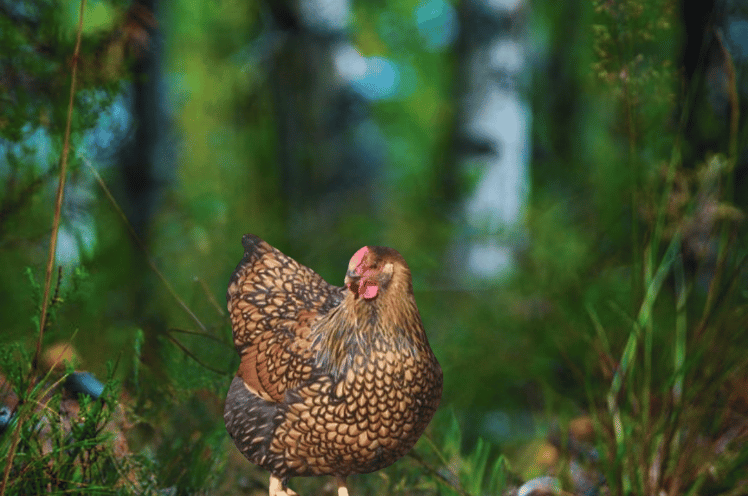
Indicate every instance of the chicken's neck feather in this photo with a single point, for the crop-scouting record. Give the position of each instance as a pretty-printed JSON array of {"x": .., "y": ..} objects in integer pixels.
[{"x": 357, "y": 327}]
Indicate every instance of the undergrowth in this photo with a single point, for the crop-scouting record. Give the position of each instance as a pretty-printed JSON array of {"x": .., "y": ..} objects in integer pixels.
[
  {"x": 666, "y": 379},
  {"x": 55, "y": 444}
]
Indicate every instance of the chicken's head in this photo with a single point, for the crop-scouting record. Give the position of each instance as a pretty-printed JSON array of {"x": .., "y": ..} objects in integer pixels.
[{"x": 369, "y": 271}]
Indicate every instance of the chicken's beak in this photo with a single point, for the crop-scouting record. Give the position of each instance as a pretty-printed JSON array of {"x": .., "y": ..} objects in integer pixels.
[
  {"x": 351, "y": 277},
  {"x": 361, "y": 285}
]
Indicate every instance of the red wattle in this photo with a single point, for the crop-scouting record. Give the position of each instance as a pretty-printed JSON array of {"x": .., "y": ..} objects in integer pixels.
[{"x": 367, "y": 290}]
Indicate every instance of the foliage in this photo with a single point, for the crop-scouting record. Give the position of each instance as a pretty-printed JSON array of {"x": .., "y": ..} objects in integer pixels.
[
  {"x": 666, "y": 409},
  {"x": 61, "y": 448},
  {"x": 471, "y": 473},
  {"x": 671, "y": 410}
]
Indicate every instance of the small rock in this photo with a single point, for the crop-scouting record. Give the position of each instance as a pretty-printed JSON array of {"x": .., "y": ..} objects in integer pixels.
[
  {"x": 8, "y": 403},
  {"x": 587, "y": 481},
  {"x": 540, "y": 486},
  {"x": 84, "y": 383}
]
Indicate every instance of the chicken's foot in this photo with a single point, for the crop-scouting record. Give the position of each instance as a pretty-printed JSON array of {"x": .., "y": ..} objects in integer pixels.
[
  {"x": 342, "y": 489},
  {"x": 277, "y": 489}
]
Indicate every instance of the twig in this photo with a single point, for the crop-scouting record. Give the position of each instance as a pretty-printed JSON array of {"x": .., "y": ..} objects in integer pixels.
[
  {"x": 201, "y": 334},
  {"x": 142, "y": 246},
  {"x": 221, "y": 311},
  {"x": 192, "y": 355},
  {"x": 60, "y": 185},
  {"x": 431, "y": 470},
  {"x": 52, "y": 245}
]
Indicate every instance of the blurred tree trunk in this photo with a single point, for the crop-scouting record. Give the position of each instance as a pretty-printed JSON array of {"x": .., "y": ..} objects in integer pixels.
[
  {"x": 147, "y": 164},
  {"x": 493, "y": 134},
  {"x": 147, "y": 167},
  {"x": 329, "y": 157}
]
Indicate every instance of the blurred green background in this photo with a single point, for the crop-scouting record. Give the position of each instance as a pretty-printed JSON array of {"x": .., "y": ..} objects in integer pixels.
[{"x": 207, "y": 120}]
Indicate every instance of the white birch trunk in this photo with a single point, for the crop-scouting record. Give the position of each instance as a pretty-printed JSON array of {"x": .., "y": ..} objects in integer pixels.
[{"x": 495, "y": 124}]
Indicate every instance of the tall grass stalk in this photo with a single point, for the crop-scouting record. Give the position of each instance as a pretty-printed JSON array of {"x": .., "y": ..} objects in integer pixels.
[{"x": 25, "y": 409}]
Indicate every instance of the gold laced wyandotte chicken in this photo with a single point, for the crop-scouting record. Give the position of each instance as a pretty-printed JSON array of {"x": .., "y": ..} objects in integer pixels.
[{"x": 332, "y": 380}]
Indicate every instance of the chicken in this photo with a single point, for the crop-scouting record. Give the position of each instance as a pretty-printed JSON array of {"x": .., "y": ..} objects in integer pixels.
[{"x": 332, "y": 380}]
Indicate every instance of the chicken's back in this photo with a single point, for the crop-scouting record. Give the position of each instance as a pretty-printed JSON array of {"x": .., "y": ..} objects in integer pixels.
[
  {"x": 272, "y": 299},
  {"x": 268, "y": 287}
]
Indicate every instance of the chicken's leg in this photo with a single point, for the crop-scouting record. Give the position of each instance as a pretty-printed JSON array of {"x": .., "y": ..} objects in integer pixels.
[
  {"x": 277, "y": 489},
  {"x": 342, "y": 489}
]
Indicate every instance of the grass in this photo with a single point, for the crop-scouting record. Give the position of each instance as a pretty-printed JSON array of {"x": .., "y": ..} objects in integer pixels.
[{"x": 669, "y": 422}]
